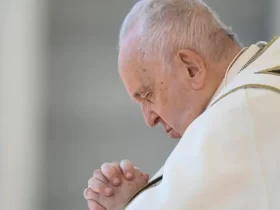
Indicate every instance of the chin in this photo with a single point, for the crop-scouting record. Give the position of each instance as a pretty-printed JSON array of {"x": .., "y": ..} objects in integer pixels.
[{"x": 174, "y": 135}]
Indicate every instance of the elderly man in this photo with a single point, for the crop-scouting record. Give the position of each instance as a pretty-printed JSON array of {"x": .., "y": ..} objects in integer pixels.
[{"x": 188, "y": 72}]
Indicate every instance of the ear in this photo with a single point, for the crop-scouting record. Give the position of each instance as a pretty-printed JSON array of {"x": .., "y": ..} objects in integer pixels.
[{"x": 194, "y": 66}]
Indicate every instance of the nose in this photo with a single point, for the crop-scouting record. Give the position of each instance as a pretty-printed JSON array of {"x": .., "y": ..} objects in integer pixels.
[{"x": 151, "y": 117}]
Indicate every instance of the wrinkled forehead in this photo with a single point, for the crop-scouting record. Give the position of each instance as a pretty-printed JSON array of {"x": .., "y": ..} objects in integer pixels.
[
  {"x": 137, "y": 80},
  {"x": 135, "y": 75}
]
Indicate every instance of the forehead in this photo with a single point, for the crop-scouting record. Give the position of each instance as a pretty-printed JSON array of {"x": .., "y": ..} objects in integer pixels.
[{"x": 136, "y": 76}]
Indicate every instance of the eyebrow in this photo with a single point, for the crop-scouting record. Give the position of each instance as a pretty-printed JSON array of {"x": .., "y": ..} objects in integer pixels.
[
  {"x": 136, "y": 95},
  {"x": 142, "y": 91}
]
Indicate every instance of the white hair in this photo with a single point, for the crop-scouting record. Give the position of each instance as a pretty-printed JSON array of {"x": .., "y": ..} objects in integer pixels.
[{"x": 165, "y": 26}]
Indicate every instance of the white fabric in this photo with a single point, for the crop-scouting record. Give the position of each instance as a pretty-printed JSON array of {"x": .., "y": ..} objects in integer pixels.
[
  {"x": 229, "y": 157},
  {"x": 238, "y": 64}
]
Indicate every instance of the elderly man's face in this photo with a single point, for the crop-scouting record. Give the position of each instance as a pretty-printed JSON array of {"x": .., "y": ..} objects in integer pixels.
[{"x": 168, "y": 96}]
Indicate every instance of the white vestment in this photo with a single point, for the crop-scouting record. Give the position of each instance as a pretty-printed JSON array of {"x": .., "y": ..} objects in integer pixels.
[{"x": 229, "y": 157}]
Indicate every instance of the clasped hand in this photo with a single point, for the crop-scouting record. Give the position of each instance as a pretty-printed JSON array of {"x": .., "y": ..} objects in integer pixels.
[{"x": 113, "y": 185}]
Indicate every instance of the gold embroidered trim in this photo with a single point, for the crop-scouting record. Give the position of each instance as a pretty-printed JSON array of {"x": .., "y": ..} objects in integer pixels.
[
  {"x": 274, "y": 71},
  {"x": 260, "y": 52},
  {"x": 258, "y": 86}
]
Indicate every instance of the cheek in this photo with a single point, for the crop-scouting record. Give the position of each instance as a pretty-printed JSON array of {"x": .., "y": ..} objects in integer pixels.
[
  {"x": 175, "y": 101},
  {"x": 165, "y": 103},
  {"x": 169, "y": 97},
  {"x": 170, "y": 100},
  {"x": 163, "y": 96}
]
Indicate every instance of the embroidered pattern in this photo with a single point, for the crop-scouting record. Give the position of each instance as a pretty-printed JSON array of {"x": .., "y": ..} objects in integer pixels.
[
  {"x": 256, "y": 86},
  {"x": 259, "y": 53},
  {"x": 274, "y": 71}
]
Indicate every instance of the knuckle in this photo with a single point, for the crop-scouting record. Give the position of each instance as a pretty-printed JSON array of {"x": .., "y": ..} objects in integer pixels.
[
  {"x": 97, "y": 173},
  {"x": 96, "y": 185},
  {"x": 90, "y": 181},
  {"x": 117, "y": 168},
  {"x": 100, "y": 176},
  {"x": 111, "y": 169},
  {"x": 101, "y": 189},
  {"x": 137, "y": 171},
  {"x": 126, "y": 164},
  {"x": 128, "y": 169},
  {"x": 115, "y": 163},
  {"x": 105, "y": 165},
  {"x": 85, "y": 194},
  {"x": 125, "y": 161},
  {"x": 90, "y": 195},
  {"x": 108, "y": 170}
]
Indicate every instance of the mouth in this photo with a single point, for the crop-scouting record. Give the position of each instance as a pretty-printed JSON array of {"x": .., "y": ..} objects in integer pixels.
[
  {"x": 168, "y": 130},
  {"x": 172, "y": 134}
]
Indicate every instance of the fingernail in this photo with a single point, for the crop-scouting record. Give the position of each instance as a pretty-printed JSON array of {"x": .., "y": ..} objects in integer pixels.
[
  {"x": 86, "y": 191},
  {"x": 129, "y": 175},
  {"x": 116, "y": 181},
  {"x": 108, "y": 191}
]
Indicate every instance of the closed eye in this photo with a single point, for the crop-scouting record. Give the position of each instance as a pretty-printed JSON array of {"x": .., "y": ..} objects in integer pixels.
[
  {"x": 138, "y": 98},
  {"x": 149, "y": 97},
  {"x": 144, "y": 96}
]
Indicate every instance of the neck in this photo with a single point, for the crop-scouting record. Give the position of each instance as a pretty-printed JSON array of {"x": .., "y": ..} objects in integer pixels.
[
  {"x": 228, "y": 59},
  {"x": 219, "y": 70}
]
